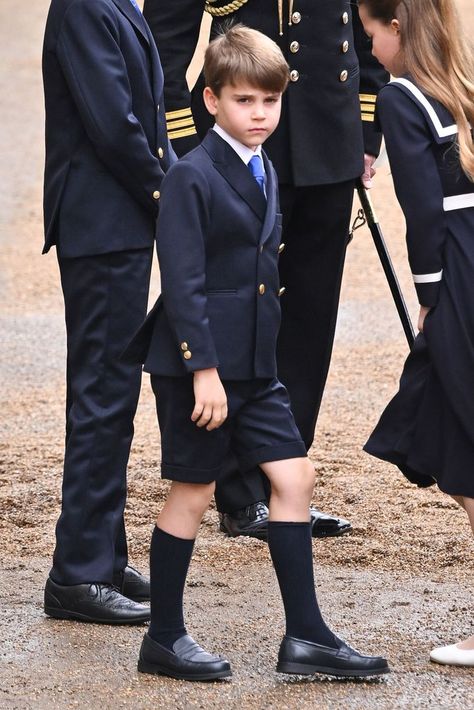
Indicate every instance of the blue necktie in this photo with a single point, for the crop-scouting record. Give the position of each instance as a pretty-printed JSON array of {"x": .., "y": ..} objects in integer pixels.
[
  {"x": 256, "y": 168},
  {"x": 134, "y": 3}
]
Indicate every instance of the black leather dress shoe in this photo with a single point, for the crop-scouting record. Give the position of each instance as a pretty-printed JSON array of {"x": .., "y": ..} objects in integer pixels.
[
  {"x": 187, "y": 660},
  {"x": 323, "y": 525},
  {"x": 305, "y": 658},
  {"x": 250, "y": 521},
  {"x": 132, "y": 584},
  {"x": 97, "y": 603}
]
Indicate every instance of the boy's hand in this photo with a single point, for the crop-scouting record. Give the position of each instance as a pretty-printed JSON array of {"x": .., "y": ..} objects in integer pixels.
[
  {"x": 210, "y": 408},
  {"x": 424, "y": 310}
]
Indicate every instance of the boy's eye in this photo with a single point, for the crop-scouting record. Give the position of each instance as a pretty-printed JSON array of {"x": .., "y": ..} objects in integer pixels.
[
  {"x": 271, "y": 100},
  {"x": 243, "y": 100}
]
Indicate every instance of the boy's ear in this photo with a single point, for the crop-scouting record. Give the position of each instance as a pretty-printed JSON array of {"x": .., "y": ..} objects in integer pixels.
[
  {"x": 210, "y": 100},
  {"x": 395, "y": 25}
]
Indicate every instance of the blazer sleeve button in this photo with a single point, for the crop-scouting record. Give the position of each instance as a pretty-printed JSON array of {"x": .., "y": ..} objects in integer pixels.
[
  {"x": 184, "y": 346},
  {"x": 156, "y": 195},
  {"x": 187, "y": 354}
]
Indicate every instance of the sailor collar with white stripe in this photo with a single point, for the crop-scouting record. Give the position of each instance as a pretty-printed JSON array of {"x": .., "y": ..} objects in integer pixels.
[{"x": 438, "y": 117}]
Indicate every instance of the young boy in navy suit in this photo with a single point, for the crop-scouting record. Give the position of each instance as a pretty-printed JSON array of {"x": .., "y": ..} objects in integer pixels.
[{"x": 209, "y": 344}]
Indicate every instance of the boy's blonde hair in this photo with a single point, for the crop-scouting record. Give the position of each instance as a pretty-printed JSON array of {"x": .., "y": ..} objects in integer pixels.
[
  {"x": 438, "y": 57},
  {"x": 240, "y": 54}
]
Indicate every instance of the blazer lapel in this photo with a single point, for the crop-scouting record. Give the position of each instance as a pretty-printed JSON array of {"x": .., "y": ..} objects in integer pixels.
[
  {"x": 237, "y": 174},
  {"x": 137, "y": 20},
  {"x": 271, "y": 187}
]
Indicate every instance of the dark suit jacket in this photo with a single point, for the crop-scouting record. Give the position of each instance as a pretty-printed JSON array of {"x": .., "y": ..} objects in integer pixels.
[
  {"x": 320, "y": 138},
  {"x": 217, "y": 241},
  {"x": 105, "y": 126}
]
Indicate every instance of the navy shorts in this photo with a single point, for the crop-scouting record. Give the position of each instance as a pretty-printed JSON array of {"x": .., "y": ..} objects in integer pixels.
[{"x": 259, "y": 427}]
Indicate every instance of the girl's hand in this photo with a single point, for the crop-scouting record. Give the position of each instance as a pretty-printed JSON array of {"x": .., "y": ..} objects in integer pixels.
[
  {"x": 210, "y": 408},
  {"x": 424, "y": 310}
]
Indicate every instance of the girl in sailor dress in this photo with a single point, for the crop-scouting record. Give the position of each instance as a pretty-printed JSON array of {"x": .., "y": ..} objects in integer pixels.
[{"x": 426, "y": 113}]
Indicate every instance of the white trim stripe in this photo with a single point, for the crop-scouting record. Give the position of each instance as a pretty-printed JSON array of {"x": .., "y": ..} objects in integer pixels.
[
  {"x": 427, "y": 278},
  {"x": 441, "y": 130},
  {"x": 458, "y": 202}
]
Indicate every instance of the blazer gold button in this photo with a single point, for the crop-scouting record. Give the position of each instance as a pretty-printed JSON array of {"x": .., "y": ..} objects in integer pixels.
[
  {"x": 156, "y": 195},
  {"x": 345, "y": 46},
  {"x": 296, "y": 17},
  {"x": 294, "y": 47},
  {"x": 261, "y": 289},
  {"x": 343, "y": 75},
  {"x": 281, "y": 247},
  {"x": 184, "y": 346},
  {"x": 281, "y": 291},
  {"x": 345, "y": 18},
  {"x": 294, "y": 75},
  {"x": 187, "y": 354},
  {"x": 160, "y": 152}
]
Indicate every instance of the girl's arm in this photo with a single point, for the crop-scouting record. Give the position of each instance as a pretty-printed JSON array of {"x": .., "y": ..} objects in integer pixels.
[{"x": 418, "y": 188}]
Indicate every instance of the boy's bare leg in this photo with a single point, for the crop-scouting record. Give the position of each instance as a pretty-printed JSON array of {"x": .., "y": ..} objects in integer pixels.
[
  {"x": 290, "y": 544},
  {"x": 186, "y": 504}
]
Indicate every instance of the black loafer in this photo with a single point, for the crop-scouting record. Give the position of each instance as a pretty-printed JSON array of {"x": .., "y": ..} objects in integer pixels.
[
  {"x": 323, "y": 525},
  {"x": 132, "y": 584},
  {"x": 96, "y": 603},
  {"x": 250, "y": 521},
  {"x": 187, "y": 660},
  {"x": 305, "y": 658}
]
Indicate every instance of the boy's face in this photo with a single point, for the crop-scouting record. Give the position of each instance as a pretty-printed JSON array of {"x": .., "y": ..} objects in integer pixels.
[{"x": 247, "y": 114}]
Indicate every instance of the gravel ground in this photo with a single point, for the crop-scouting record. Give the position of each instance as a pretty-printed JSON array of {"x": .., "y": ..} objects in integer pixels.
[{"x": 401, "y": 583}]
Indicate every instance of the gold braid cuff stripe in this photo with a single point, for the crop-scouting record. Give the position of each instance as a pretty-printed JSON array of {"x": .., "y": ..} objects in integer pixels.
[
  {"x": 224, "y": 9},
  {"x": 179, "y": 113},
  {"x": 369, "y": 117},
  {"x": 183, "y": 133}
]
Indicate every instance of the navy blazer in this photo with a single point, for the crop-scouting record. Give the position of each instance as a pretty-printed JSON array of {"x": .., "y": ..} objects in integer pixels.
[
  {"x": 106, "y": 143},
  {"x": 218, "y": 241}
]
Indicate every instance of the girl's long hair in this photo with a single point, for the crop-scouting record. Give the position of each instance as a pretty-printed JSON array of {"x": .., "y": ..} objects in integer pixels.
[{"x": 438, "y": 58}]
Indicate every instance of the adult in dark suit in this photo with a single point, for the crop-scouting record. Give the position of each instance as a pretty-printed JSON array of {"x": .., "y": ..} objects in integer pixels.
[
  {"x": 106, "y": 154},
  {"x": 318, "y": 152}
]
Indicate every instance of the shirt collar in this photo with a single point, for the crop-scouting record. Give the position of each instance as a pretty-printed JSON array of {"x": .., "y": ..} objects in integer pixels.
[{"x": 244, "y": 153}]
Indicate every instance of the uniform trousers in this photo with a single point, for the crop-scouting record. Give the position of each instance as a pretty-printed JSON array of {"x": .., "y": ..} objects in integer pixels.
[
  {"x": 105, "y": 300},
  {"x": 315, "y": 233}
]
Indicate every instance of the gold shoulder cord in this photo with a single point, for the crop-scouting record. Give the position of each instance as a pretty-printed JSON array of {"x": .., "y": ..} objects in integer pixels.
[{"x": 224, "y": 9}]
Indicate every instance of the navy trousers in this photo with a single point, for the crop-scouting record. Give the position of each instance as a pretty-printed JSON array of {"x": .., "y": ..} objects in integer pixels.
[
  {"x": 315, "y": 232},
  {"x": 105, "y": 300}
]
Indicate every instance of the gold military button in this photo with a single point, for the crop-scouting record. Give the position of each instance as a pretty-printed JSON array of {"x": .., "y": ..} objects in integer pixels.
[
  {"x": 261, "y": 289},
  {"x": 294, "y": 75},
  {"x": 345, "y": 18},
  {"x": 160, "y": 152},
  {"x": 294, "y": 47},
  {"x": 345, "y": 46},
  {"x": 281, "y": 247},
  {"x": 281, "y": 291},
  {"x": 184, "y": 346},
  {"x": 296, "y": 17},
  {"x": 187, "y": 354},
  {"x": 343, "y": 75},
  {"x": 156, "y": 195}
]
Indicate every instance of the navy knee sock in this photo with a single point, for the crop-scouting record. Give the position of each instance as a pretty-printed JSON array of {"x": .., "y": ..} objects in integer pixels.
[
  {"x": 169, "y": 561},
  {"x": 292, "y": 555}
]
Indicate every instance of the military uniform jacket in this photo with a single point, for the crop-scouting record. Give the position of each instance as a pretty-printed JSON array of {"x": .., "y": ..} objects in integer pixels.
[
  {"x": 218, "y": 240},
  {"x": 334, "y": 81},
  {"x": 106, "y": 142}
]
